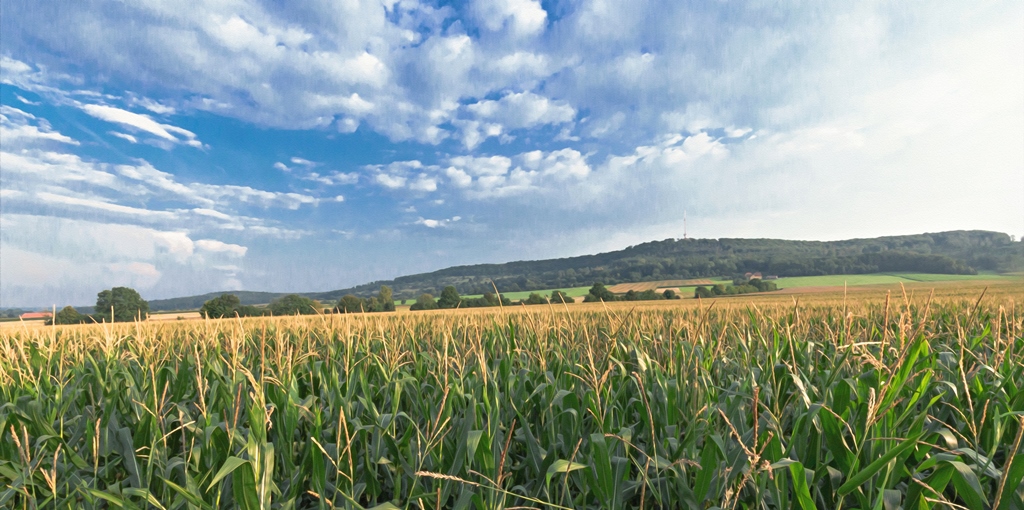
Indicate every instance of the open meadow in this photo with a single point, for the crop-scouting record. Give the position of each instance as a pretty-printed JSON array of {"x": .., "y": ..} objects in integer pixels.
[{"x": 889, "y": 397}]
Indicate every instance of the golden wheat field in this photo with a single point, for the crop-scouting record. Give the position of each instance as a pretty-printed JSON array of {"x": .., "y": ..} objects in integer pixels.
[{"x": 882, "y": 397}]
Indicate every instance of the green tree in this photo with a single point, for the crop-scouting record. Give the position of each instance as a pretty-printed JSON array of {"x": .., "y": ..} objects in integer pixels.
[
  {"x": 294, "y": 304},
  {"x": 350, "y": 304},
  {"x": 599, "y": 293},
  {"x": 223, "y": 306},
  {"x": 702, "y": 292},
  {"x": 385, "y": 298},
  {"x": 67, "y": 315},
  {"x": 558, "y": 297},
  {"x": 535, "y": 299},
  {"x": 121, "y": 304},
  {"x": 449, "y": 298},
  {"x": 424, "y": 302}
]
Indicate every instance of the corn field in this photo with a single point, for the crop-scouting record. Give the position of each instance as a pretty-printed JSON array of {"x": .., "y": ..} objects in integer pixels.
[{"x": 882, "y": 403}]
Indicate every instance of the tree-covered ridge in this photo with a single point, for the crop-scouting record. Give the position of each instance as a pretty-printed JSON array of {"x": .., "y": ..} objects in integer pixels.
[
  {"x": 957, "y": 252},
  {"x": 954, "y": 252}
]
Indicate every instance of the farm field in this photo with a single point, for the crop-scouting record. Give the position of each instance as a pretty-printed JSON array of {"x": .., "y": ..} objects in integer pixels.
[
  {"x": 880, "y": 278},
  {"x": 874, "y": 400},
  {"x": 622, "y": 288}
]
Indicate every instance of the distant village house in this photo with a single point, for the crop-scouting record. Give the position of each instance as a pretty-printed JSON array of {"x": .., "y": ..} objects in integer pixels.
[{"x": 35, "y": 315}]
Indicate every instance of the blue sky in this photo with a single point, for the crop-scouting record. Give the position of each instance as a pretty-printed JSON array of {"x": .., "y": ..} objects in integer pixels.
[{"x": 240, "y": 144}]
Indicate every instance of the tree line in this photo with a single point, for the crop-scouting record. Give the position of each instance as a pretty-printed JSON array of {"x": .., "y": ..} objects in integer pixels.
[
  {"x": 739, "y": 286},
  {"x": 119, "y": 304}
]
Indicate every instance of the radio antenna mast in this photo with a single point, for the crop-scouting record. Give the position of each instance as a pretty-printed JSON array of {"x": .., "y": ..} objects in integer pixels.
[{"x": 684, "y": 225}]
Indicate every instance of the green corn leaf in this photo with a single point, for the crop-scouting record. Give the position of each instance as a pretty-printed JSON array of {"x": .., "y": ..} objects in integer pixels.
[
  {"x": 803, "y": 494},
  {"x": 562, "y": 466},
  {"x": 863, "y": 475},
  {"x": 968, "y": 487},
  {"x": 231, "y": 464}
]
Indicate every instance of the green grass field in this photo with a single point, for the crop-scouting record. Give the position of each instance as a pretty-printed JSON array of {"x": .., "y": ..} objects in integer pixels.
[{"x": 925, "y": 277}]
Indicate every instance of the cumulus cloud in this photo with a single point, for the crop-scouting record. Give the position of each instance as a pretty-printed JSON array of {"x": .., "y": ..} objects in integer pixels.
[
  {"x": 517, "y": 17},
  {"x": 497, "y": 176},
  {"x": 513, "y": 111},
  {"x": 66, "y": 261},
  {"x": 390, "y": 181},
  {"x": 213, "y": 245},
  {"x": 523, "y": 110},
  {"x": 442, "y": 223}
]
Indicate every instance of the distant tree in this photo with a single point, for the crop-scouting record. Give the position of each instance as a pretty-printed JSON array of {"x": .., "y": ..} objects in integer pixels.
[
  {"x": 386, "y": 301},
  {"x": 223, "y": 306},
  {"x": 558, "y": 297},
  {"x": 535, "y": 299},
  {"x": 449, "y": 298},
  {"x": 424, "y": 302},
  {"x": 123, "y": 302},
  {"x": 670, "y": 294},
  {"x": 599, "y": 293},
  {"x": 67, "y": 315},
  {"x": 702, "y": 292},
  {"x": 294, "y": 304},
  {"x": 350, "y": 304}
]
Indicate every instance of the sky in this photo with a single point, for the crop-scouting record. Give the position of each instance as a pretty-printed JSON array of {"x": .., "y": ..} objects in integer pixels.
[{"x": 188, "y": 147}]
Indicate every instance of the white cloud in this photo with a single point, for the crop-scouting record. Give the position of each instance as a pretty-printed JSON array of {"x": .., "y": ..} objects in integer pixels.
[
  {"x": 212, "y": 214},
  {"x": 399, "y": 174},
  {"x": 20, "y": 128},
  {"x": 523, "y": 110},
  {"x": 442, "y": 223},
  {"x": 334, "y": 178},
  {"x": 499, "y": 176},
  {"x": 125, "y": 136},
  {"x": 143, "y": 123},
  {"x": 512, "y": 111},
  {"x": 561, "y": 164},
  {"x": 482, "y": 165},
  {"x": 423, "y": 183},
  {"x": 518, "y": 17},
  {"x": 105, "y": 206},
  {"x": 26, "y": 101},
  {"x": 390, "y": 181},
  {"x": 207, "y": 195},
  {"x": 213, "y": 245}
]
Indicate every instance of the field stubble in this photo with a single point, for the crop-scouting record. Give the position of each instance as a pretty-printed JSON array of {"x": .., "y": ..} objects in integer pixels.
[{"x": 827, "y": 401}]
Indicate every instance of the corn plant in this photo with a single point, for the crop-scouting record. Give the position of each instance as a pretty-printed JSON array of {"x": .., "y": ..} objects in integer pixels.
[{"x": 879, "y": 402}]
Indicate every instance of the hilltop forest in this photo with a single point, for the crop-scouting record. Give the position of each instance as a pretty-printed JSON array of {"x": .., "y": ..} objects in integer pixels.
[{"x": 954, "y": 252}]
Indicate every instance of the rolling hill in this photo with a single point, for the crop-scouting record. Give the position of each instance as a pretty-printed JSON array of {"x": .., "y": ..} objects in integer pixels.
[{"x": 954, "y": 252}]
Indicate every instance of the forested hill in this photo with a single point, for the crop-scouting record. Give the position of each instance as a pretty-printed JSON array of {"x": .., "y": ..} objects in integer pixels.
[{"x": 956, "y": 252}]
